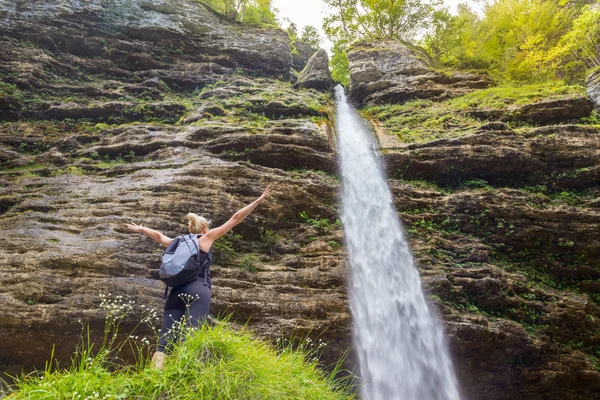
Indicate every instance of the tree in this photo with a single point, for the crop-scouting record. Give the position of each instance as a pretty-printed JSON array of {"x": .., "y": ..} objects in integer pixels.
[
  {"x": 583, "y": 40},
  {"x": 579, "y": 49},
  {"x": 310, "y": 36},
  {"x": 351, "y": 20},
  {"x": 248, "y": 11},
  {"x": 259, "y": 12},
  {"x": 377, "y": 19},
  {"x": 516, "y": 38},
  {"x": 444, "y": 37},
  {"x": 340, "y": 70}
]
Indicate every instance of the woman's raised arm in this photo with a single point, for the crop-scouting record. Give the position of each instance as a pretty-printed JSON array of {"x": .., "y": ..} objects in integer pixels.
[
  {"x": 207, "y": 240},
  {"x": 151, "y": 233}
]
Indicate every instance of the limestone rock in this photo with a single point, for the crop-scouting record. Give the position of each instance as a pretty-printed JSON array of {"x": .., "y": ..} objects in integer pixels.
[
  {"x": 544, "y": 112},
  {"x": 503, "y": 223},
  {"x": 394, "y": 72},
  {"x": 122, "y": 124},
  {"x": 564, "y": 156},
  {"x": 316, "y": 74},
  {"x": 144, "y": 31},
  {"x": 303, "y": 53},
  {"x": 593, "y": 87}
]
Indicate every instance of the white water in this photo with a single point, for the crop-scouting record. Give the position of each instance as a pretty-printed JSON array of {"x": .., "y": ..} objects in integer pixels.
[{"x": 399, "y": 341}]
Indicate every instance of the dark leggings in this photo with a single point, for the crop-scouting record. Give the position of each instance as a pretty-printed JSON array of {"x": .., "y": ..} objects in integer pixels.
[{"x": 191, "y": 300}]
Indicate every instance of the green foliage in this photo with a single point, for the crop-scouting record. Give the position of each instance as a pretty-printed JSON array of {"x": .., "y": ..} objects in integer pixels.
[
  {"x": 351, "y": 20},
  {"x": 333, "y": 244},
  {"x": 212, "y": 363},
  {"x": 376, "y": 19},
  {"x": 340, "y": 69},
  {"x": 579, "y": 46},
  {"x": 246, "y": 11},
  {"x": 249, "y": 262},
  {"x": 321, "y": 223},
  {"x": 477, "y": 184},
  {"x": 224, "y": 249},
  {"x": 522, "y": 40},
  {"x": 501, "y": 96},
  {"x": 426, "y": 120},
  {"x": 10, "y": 89},
  {"x": 70, "y": 170},
  {"x": 310, "y": 36},
  {"x": 271, "y": 239},
  {"x": 292, "y": 31}
]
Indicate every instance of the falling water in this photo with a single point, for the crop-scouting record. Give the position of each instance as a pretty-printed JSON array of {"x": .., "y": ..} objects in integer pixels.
[{"x": 398, "y": 340}]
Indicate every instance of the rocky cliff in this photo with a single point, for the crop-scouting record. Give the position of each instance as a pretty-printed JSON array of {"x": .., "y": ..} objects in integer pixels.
[
  {"x": 498, "y": 190},
  {"x": 118, "y": 111}
]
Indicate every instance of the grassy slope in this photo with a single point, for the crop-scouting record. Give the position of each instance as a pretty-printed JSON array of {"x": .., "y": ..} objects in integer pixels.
[
  {"x": 421, "y": 121},
  {"x": 213, "y": 363}
]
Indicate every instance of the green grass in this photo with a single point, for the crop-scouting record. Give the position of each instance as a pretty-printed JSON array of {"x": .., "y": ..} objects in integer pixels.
[
  {"x": 501, "y": 96},
  {"x": 213, "y": 363},
  {"x": 23, "y": 168},
  {"x": 421, "y": 121}
]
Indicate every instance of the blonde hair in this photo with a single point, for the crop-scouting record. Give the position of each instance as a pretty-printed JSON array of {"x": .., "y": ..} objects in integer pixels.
[{"x": 197, "y": 223}]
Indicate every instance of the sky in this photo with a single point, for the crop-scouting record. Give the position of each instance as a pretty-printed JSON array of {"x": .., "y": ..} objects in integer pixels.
[{"x": 311, "y": 12}]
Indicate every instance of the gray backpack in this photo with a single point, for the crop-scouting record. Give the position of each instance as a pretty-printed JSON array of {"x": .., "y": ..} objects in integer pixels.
[{"x": 181, "y": 262}]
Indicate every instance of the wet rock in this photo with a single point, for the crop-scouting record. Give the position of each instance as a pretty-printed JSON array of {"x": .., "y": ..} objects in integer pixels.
[
  {"x": 9, "y": 155},
  {"x": 9, "y": 108},
  {"x": 316, "y": 74},
  {"x": 52, "y": 157},
  {"x": 112, "y": 111},
  {"x": 207, "y": 110},
  {"x": 196, "y": 30},
  {"x": 303, "y": 53},
  {"x": 555, "y": 155},
  {"x": 593, "y": 88},
  {"x": 542, "y": 112},
  {"x": 394, "y": 72}
]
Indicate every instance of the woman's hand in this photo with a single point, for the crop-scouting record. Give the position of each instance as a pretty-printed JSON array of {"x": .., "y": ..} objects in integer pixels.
[
  {"x": 135, "y": 227},
  {"x": 265, "y": 193}
]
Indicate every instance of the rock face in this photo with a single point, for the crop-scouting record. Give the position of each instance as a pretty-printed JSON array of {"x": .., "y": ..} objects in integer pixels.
[
  {"x": 393, "y": 72},
  {"x": 118, "y": 111},
  {"x": 182, "y": 43},
  {"x": 503, "y": 221},
  {"x": 593, "y": 87},
  {"x": 316, "y": 75},
  {"x": 560, "y": 157},
  {"x": 303, "y": 53}
]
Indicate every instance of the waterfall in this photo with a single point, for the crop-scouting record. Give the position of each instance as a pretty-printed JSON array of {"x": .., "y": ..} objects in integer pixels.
[{"x": 398, "y": 340}]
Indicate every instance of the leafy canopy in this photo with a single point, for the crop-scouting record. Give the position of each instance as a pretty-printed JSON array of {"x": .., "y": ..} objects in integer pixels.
[
  {"x": 517, "y": 40},
  {"x": 247, "y": 11},
  {"x": 351, "y": 20},
  {"x": 522, "y": 40},
  {"x": 310, "y": 36}
]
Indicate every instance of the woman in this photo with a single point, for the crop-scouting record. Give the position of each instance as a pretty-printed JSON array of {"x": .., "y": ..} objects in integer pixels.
[{"x": 178, "y": 301}]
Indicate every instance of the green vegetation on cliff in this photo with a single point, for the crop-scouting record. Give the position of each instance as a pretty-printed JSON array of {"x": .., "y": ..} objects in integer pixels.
[
  {"x": 213, "y": 363},
  {"x": 421, "y": 121},
  {"x": 246, "y": 11},
  {"x": 517, "y": 40}
]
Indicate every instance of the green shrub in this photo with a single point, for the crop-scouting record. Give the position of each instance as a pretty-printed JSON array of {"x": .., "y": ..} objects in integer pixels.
[
  {"x": 321, "y": 223},
  {"x": 248, "y": 262},
  {"x": 271, "y": 241},
  {"x": 223, "y": 250}
]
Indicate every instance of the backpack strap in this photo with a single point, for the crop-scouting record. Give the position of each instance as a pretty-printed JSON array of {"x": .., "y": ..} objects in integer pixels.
[
  {"x": 208, "y": 259},
  {"x": 196, "y": 244},
  {"x": 205, "y": 270}
]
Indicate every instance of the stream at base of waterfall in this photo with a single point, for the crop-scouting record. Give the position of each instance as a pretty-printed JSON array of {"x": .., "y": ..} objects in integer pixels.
[{"x": 398, "y": 339}]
